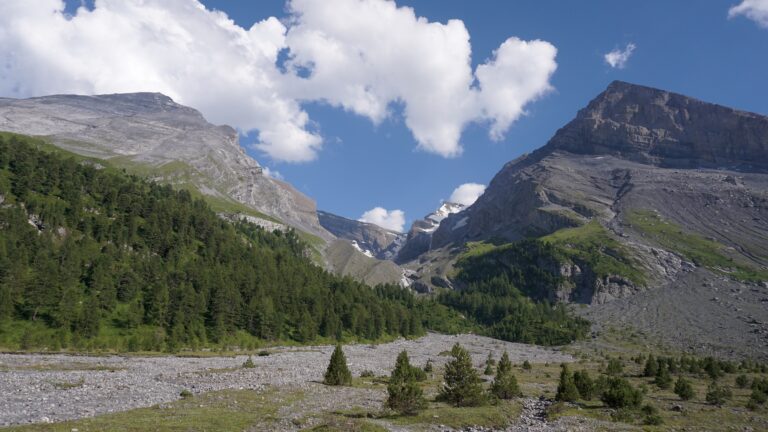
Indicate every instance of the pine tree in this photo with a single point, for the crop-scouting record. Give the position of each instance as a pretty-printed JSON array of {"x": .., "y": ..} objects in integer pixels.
[
  {"x": 663, "y": 379},
  {"x": 462, "y": 383},
  {"x": 717, "y": 395},
  {"x": 651, "y": 366},
  {"x": 338, "y": 373},
  {"x": 684, "y": 389},
  {"x": 504, "y": 385},
  {"x": 566, "y": 388},
  {"x": 404, "y": 371},
  {"x": 404, "y": 394},
  {"x": 584, "y": 384}
]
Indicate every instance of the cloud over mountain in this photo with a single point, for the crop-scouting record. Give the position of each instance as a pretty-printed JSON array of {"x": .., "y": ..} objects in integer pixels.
[
  {"x": 363, "y": 56},
  {"x": 390, "y": 219}
]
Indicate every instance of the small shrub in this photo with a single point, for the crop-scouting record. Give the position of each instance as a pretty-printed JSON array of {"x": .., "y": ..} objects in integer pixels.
[
  {"x": 428, "y": 367},
  {"x": 263, "y": 353},
  {"x": 684, "y": 389},
  {"x": 648, "y": 409},
  {"x": 624, "y": 415},
  {"x": 185, "y": 394},
  {"x": 527, "y": 365},
  {"x": 615, "y": 367},
  {"x": 621, "y": 394},
  {"x": 249, "y": 363},
  {"x": 758, "y": 397},
  {"x": 717, "y": 394},
  {"x": 742, "y": 381},
  {"x": 367, "y": 374},
  {"x": 653, "y": 420}
]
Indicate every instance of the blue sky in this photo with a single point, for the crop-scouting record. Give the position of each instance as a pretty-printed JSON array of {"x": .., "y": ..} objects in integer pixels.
[{"x": 687, "y": 47}]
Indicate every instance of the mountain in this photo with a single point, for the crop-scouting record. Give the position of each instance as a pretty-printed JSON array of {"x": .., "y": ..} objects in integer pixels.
[
  {"x": 650, "y": 206},
  {"x": 419, "y": 239},
  {"x": 369, "y": 239},
  {"x": 151, "y": 135}
]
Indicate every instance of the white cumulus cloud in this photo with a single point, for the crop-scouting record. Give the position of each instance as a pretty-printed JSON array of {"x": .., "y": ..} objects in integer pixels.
[
  {"x": 756, "y": 10},
  {"x": 272, "y": 173},
  {"x": 390, "y": 219},
  {"x": 618, "y": 58},
  {"x": 467, "y": 193},
  {"x": 364, "y": 56}
]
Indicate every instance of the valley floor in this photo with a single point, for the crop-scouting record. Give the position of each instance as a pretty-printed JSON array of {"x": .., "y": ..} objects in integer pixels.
[
  {"x": 51, "y": 388},
  {"x": 284, "y": 392}
]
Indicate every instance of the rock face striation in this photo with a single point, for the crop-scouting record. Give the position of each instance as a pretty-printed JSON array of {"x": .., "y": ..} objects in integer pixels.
[{"x": 150, "y": 134}]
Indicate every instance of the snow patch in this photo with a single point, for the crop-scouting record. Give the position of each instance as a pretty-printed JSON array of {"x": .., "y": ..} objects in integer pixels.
[{"x": 365, "y": 252}]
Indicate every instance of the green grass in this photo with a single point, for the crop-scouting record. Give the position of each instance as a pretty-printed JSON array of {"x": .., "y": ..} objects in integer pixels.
[
  {"x": 227, "y": 410},
  {"x": 593, "y": 244},
  {"x": 703, "y": 252},
  {"x": 496, "y": 416}
]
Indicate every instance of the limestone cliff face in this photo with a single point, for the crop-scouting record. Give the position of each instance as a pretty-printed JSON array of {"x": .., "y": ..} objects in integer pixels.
[
  {"x": 656, "y": 127},
  {"x": 150, "y": 134}
]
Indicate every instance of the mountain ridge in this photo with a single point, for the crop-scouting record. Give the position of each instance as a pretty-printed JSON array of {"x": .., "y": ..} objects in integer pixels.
[{"x": 151, "y": 134}]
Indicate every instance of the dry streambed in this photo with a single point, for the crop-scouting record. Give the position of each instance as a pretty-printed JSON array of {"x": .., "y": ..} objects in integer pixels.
[{"x": 47, "y": 388}]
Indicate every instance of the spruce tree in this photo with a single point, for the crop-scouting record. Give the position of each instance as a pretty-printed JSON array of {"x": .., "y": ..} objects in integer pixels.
[
  {"x": 566, "y": 389},
  {"x": 684, "y": 389},
  {"x": 338, "y": 373},
  {"x": 505, "y": 386},
  {"x": 404, "y": 394},
  {"x": 717, "y": 395},
  {"x": 663, "y": 379},
  {"x": 584, "y": 384},
  {"x": 651, "y": 366},
  {"x": 462, "y": 383}
]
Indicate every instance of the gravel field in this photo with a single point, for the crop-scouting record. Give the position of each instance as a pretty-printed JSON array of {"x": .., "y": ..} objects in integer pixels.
[{"x": 37, "y": 388}]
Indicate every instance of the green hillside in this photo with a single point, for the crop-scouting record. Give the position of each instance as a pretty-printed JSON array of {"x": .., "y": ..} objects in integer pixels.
[{"x": 93, "y": 258}]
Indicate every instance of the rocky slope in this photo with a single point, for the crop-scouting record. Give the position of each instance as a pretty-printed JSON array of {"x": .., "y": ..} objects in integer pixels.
[
  {"x": 676, "y": 186},
  {"x": 150, "y": 134},
  {"x": 370, "y": 239},
  {"x": 631, "y": 147}
]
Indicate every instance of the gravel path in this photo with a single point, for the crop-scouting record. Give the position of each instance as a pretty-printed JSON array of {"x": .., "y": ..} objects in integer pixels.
[{"x": 38, "y": 388}]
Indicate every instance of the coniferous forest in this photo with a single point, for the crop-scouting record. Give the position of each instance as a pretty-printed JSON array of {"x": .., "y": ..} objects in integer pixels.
[{"x": 94, "y": 258}]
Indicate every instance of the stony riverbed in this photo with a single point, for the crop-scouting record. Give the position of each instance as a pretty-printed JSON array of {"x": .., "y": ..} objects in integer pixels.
[{"x": 38, "y": 388}]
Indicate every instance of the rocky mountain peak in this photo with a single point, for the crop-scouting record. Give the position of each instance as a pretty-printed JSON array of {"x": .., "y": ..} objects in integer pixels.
[{"x": 661, "y": 128}]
